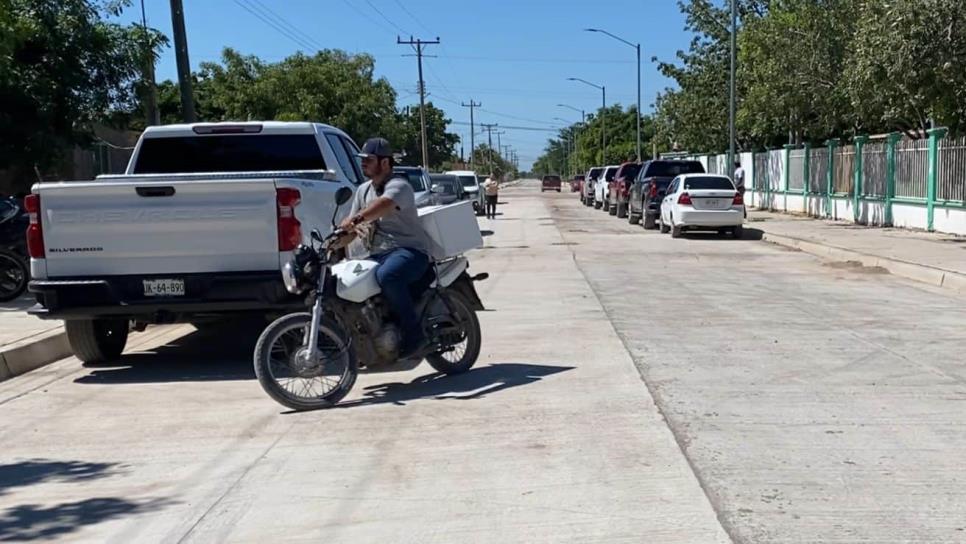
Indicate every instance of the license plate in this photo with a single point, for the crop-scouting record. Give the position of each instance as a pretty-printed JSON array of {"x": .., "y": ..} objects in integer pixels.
[
  {"x": 712, "y": 203},
  {"x": 163, "y": 288}
]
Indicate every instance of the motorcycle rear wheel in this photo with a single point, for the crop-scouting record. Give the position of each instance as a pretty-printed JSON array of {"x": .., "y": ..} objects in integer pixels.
[
  {"x": 14, "y": 276},
  {"x": 295, "y": 383},
  {"x": 460, "y": 357}
]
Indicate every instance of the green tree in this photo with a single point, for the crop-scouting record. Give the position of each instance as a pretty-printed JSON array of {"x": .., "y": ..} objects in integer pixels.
[
  {"x": 63, "y": 68},
  {"x": 907, "y": 65},
  {"x": 441, "y": 144}
]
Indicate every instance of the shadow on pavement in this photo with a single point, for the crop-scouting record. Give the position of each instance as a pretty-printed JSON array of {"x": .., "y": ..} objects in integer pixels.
[
  {"x": 477, "y": 383},
  {"x": 219, "y": 354},
  {"x": 34, "y": 471},
  {"x": 35, "y": 522},
  {"x": 749, "y": 234},
  {"x": 486, "y": 233},
  {"x": 18, "y": 305}
]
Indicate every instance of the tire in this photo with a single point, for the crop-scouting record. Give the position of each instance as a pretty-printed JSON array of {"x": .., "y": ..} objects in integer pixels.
[
  {"x": 650, "y": 222},
  {"x": 738, "y": 232},
  {"x": 664, "y": 228},
  {"x": 597, "y": 204},
  {"x": 676, "y": 231},
  {"x": 14, "y": 276},
  {"x": 612, "y": 210},
  {"x": 264, "y": 367},
  {"x": 471, "y": 327},
  {"x": 97, "y": 340},
  {"x": 621, "y": 211}
]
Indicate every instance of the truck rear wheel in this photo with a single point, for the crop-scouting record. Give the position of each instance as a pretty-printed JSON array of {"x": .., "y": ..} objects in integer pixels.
[{"x": 97, "y": 340}]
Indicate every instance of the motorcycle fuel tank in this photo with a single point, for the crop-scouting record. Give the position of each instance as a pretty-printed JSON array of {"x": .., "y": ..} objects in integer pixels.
[{"x": 356, "y": 280}]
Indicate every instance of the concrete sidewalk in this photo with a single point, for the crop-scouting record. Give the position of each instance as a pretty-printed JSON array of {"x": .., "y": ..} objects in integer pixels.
[
  {"x": 26, "y": 342},
  {"x": 933, "y": 258}
]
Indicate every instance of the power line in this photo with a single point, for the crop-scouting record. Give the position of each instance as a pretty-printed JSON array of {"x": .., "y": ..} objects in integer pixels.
[
  {"x": 284, "y": 22},
  {"x": 281, "y": 30},
  {"x": 509, "y": 127},
  {"x": 367, "y": 16},
  {"x": 411, "y": 16},
  {"x": 388, "y": 20}
]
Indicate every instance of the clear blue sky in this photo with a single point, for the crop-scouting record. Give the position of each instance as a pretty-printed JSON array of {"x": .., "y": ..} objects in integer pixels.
[{"x": 514, "y": 57}]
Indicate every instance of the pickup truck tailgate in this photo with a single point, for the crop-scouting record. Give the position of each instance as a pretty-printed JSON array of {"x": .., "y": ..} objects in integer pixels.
[{"x": 106, "y": 228}]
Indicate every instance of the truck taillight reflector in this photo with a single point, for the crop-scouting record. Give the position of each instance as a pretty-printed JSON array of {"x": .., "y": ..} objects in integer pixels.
[
  {"x": 289, "y": 228},
  {"x": 35, "y": 231}
]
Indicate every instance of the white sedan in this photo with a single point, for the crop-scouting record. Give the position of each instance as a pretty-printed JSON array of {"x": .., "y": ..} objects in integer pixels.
[{"x": 702, "y": 202}]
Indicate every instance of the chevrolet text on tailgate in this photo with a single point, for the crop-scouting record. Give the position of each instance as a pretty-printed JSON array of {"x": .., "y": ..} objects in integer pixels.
[{"x": 196, "y": 230}]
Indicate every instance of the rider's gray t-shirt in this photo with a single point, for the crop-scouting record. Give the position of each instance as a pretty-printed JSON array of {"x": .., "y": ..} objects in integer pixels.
[{"x": 400, "y": 228}]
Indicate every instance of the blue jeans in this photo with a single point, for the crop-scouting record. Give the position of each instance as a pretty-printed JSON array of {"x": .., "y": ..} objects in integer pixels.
[{"x": 398, "y": 269}]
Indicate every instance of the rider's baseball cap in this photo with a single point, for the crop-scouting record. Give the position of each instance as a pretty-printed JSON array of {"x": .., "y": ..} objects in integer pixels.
[{"x": 378, "y": 147}]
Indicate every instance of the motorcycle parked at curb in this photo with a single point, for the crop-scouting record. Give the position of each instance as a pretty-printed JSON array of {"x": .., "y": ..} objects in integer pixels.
[
  {"x": 310, "y": 360},
  {"x": 14, "y": 263}
]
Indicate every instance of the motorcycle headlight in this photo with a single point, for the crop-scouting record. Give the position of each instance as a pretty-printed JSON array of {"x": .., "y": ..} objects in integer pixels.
[{"x": 290, "y": 276}]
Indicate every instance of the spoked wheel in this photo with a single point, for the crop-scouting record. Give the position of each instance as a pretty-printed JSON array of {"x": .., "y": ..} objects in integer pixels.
[
  {"x": 13, "y": 276},
  {"x": 464, "y": 339},
  {"x": 287, "y": 374}
]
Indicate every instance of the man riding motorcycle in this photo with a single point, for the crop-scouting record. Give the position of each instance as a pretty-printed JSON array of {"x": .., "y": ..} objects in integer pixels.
[{"x": 384, "y": 216}]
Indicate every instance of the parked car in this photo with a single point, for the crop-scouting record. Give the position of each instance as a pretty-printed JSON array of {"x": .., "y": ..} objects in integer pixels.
[
  {"x": 649, "y": 188},
  {"x": 446, "y": 188},
  {"x": 550, "y": 183},
  {"x": 577, "y": 183},
  {"x": 602, "y": 187},
  {"x": 620, "y": 188},
  {"x": 587, "y": 190},
  {"x": 702, "y": 202},
  {"x": 471, "y": 183},
  {"x": 419, "y": 180},
  {"x": 197, "y": 229}
]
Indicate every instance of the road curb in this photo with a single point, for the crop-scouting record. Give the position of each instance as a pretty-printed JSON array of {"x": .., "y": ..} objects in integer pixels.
[
  {"x": 31, "y": 355},
  {"x": 911, "y": 271}
]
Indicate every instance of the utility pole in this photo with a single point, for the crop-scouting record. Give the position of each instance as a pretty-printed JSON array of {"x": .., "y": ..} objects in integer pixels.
[
  {"x": 489, "y": 135},
  {"x": 499, "y": 142},
  {"x": 472, "y": 105},
  {"x": 151, "y": 90},
  {"x": 184, "y": 67},
  {"x": 418, "y": 46},
  {"x": 733, "y": 97}
]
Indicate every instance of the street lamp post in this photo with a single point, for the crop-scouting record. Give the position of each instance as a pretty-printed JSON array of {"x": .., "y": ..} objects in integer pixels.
[
  {"x": 637, "y": 47},
  {"x": 583, "y": 121},
  {"x": 603, "y": 116},
  {"x": 569, "y": 148}
]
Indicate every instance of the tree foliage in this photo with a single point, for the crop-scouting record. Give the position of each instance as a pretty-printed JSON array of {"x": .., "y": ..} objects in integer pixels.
[
  {"x": 809, "y": 70},
  {"x": 62, "y": 68}
]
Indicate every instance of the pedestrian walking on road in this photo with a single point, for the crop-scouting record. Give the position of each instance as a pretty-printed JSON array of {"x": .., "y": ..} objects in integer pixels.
[
  {"x": 491, "y": 188},
  {"x": 740, "y": 182}
]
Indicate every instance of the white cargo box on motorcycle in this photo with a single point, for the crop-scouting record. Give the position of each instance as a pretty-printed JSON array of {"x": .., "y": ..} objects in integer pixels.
[{"x": 452, "y": 229}]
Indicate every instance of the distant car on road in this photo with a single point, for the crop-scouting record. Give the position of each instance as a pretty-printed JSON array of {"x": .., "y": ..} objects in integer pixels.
[
  {"x": 649, "y": 188},
  {"x": 471, "y": 184},
  {"x": 446, "y": 188},
  {"x": 577, "y": 183},
  {"x": 419, "y": 180},
  {"x": 602, "y": 187},
  {"x": 620, "y": 188},
  {"x": 587, "y": 190},
  {"x": 550, "y": 183},
  {"x": 702, "y": 202}
]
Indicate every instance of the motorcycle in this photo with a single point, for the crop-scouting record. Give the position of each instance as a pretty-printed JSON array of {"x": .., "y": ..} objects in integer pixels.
[
  {"x": 310, "y": 360},
  {"x": 14, "y": 263}
]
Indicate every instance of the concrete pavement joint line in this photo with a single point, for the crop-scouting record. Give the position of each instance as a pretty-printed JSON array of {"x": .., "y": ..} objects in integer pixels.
[
  {"x": 914, "y": 271},
  {"x": 235, "y": 483},
  {"x": 655, "y": 396}
]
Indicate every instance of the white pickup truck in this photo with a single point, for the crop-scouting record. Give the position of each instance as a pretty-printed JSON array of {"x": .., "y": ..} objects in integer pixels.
[{"x": 197, "y": 229}]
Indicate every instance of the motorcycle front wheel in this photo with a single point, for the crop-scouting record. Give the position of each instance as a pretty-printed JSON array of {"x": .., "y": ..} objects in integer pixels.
[
  {"x": 464, "y": 347},
  {"x": 14, "y": 276},
  {"x": 290, "y": 378}
]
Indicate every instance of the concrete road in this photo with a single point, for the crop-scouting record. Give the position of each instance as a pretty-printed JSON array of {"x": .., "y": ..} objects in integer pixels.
[
  {"x": 816, "y": 403},
  {"x": 553, "y": 438}
]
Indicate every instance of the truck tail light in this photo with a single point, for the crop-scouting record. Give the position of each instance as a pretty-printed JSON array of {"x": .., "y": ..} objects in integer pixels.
[
  {"x": 684, "y": 199},
  {"x": 652, "y": 192},
  {"x": 289, "y": 228},
  {"x": 739, "y": 200},
  {"x": 35, "y": 231}
]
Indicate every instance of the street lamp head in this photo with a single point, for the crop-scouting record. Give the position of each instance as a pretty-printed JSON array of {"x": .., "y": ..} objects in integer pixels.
[
  {"x": 591, "y": 30},
  {"x": 572, "y": 79}
]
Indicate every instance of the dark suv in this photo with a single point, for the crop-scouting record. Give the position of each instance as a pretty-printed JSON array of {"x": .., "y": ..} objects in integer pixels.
[
  {"x": 550, "y": 183},
  {"x": 650, "y": 186},
  {"x": 620, "y": 188}
]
